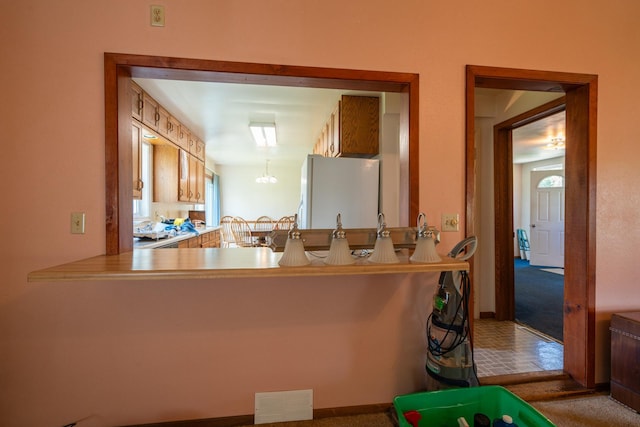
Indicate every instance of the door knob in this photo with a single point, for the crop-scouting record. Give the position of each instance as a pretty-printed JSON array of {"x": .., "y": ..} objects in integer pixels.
[{"x": 533, "y": 226}]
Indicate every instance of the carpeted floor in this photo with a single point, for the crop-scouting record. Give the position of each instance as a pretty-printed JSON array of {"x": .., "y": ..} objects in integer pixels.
[
  {"x": 592, "y": 411},
  {"x": 539, "y": 298}
]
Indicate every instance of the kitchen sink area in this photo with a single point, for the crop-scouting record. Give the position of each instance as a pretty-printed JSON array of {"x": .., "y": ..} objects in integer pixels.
[{"x": 173, "y": 234}]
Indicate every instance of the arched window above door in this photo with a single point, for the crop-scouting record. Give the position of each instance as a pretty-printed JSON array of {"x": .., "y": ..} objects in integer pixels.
[{"x": 552, "y": 181}]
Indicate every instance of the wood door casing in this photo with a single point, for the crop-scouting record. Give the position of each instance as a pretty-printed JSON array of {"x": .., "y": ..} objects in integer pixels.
[
  {"x": 581, "y": 124},
  {"x": 503, "y": 203}
]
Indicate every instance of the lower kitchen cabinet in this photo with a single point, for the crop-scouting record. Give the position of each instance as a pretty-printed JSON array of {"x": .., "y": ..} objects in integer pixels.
[
  {"x": 195, "y": 242},
  {"x": 210, "y": 239}
]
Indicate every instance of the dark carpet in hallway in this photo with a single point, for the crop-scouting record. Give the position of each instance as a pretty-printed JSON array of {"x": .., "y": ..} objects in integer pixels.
[{"x": 539, "y": 298}]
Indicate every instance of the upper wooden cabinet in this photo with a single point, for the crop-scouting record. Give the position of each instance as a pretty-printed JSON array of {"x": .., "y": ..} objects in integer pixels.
[
  {"x": 352, "y": 130},
  {"x": 201, "y": 150},
  {"x": 167, "y": 125},
  {"x": 196, "y": 147},
  {"x": 150, "y": 113},
  {"x": 184, "y": 177},
  {"x": 155, "y": 117},
  {"x": 178, "y": 154},
  {"x": 194, "y": 194},
  {"x": 136, "y": 159},
  {"x": 136, "y": 102},
  {"x": 334, "y": 125},
  {"x": 165, "y": 173},
  {"x": 184, "y": 135},
  {"x": 359, "y": 126},
  {"x": 200, "y": 182},
  {"x": 177, "y": 175},
  {"x": 190, "y": 178}
]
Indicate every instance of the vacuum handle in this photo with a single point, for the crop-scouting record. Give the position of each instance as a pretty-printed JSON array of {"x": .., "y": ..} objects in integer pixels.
[{"x": 457, "y": 249}]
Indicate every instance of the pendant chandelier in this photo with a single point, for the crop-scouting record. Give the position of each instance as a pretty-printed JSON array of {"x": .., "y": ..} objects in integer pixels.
[{"x": 266, "y": 178}]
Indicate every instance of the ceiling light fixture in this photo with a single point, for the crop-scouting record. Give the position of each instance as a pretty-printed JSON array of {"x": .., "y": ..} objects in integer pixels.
[
  {"x": 266, "y": 178},
  {"x": 556, "y": 144},
  {"x": 264, "y": 134}
]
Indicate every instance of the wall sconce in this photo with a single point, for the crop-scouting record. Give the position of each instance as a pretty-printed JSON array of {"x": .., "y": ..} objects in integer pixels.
[
  {"x": 383, "y": 250},
  {"x": 264, "y": 134},
  {"x": 294, "y": 254},
  {"x": 426, "y": 240},
  {"x": 339, "y": 252}
]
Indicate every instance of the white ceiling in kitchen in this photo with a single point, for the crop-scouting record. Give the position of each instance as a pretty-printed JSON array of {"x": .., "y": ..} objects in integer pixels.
[{"x": 220, "y": 114}]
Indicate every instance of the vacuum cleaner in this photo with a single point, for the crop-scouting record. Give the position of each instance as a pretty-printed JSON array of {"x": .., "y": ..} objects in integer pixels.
[{"x": 450, "y": 351}]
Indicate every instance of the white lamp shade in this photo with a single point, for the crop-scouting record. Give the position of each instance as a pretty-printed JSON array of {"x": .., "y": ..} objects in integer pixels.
[
  {"x": 384, "y": 252},
  {"x": 294, "y": 254},
  {"x": 425, "y": 251},
  {"x": 339, "y": 253}
]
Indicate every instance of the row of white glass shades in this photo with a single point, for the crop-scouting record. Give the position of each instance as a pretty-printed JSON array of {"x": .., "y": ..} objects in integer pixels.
[{"x": 383, "y": 250}]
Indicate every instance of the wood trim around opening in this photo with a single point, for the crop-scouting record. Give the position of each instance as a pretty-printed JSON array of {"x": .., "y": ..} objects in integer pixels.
[
  {"x": 581, "y": 107},
  {"x": 503, "y": 202},
  {"x": 119, "y": 68}
]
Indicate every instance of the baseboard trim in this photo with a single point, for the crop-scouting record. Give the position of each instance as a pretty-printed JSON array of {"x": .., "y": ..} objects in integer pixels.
[
  {"x": 243, "y": 420},
  {"x": 234, "y": 421},
  {"x": 351, "y": 410}
]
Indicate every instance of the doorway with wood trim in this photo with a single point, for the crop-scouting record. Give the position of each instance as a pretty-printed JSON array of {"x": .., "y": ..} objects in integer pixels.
[
  {"x": 581, "y": 106},
  {"x": 537, "y": 213}
]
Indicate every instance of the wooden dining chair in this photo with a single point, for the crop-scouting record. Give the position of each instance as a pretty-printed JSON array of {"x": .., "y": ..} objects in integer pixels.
[
  {"x": 242, "y": 233},
  {"x": 284, "y": 223},
  {"x": 228, "y": 240},
  {"x": 264, "y": 224}
]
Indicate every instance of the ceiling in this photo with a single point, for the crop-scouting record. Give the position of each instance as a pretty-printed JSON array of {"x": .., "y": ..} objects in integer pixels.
[
  {"x": 530, "y": 142},
  {"x": 220, "y": 114}
]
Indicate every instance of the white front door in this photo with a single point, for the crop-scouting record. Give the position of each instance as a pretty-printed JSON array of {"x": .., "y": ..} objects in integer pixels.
[{"x": 547, "y": 218}]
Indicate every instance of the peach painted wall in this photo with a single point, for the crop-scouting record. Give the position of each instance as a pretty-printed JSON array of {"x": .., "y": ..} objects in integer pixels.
[{"x": 124, "y": 353}]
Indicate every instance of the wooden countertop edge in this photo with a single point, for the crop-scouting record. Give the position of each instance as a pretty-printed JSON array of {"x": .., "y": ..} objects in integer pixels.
[{"x": 164, "y": 264}]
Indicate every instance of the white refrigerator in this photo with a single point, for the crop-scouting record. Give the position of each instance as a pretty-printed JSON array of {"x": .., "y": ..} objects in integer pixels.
[{"x": 339, "y": 185}]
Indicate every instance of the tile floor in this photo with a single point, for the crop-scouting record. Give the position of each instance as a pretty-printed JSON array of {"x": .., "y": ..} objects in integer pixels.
[{"x": 502, "y": 348}]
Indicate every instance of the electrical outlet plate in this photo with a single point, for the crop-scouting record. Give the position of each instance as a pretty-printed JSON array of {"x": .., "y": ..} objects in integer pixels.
[
  {"x": 450, "y": 222},
  {"x": 77, "y": 222},
  {"x": 157, "y": 16}
]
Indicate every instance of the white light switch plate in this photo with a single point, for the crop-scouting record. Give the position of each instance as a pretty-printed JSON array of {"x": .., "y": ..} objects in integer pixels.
[{"x": 450, "y": 222}]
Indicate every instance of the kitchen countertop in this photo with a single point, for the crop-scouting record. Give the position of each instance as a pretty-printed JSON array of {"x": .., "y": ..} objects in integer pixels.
[
  {"x": 216, "y": 263},
  {"x": 141, "y": 243}
]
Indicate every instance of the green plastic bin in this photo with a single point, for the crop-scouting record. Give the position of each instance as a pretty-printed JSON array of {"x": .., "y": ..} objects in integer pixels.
[{"x": 444, "y": 407}]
